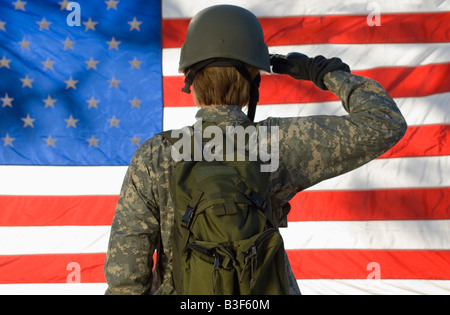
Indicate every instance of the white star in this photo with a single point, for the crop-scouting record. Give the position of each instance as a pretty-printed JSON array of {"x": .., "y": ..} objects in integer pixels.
[
  {"x": 93, "y": 102},
  {"x": 50, "y": 141},
  {"x": 135, "y": 103},
  {"x": 8, "y": 141},
  {"x": 5, "y": 62},
  {"x": 2, "y": 25},
  {"x": 90, "y": 25},
  {"x": 135, "y": 63},
  {"x": 71, "y": 83},
  {"x": 93, "y": 142},
  {"x": 19, "y": 5},
  {"x": 68, "y": 44},
  {"x": 64, "y": 4},
  {"x": 27, "y": 82},
  {"x": 25, "y": 44},
  {"x": 71, "y": 122},
  {"x": 135, "y": 140},
  {"x": 49, "y": 102},
  {"x": 92, "y": 64},
  {"x": 44, "y": 24},
  {"x": 114, "y": 83},
  {"x": 111, "y": 4},
  {"x": 7, "y": 101},
  {"x": 135, "y": 25},
  {"x": 48, "y": 64},
  {"x": 113, "y": 122},
  {"x": 29, "y": 122},
  {"x": 113, "y": 44}
]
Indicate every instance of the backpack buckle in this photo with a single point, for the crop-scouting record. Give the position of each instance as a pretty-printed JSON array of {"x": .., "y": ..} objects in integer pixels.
[
  {"x": 187, "y": 218},
  {"x": 190, "y": 210}
]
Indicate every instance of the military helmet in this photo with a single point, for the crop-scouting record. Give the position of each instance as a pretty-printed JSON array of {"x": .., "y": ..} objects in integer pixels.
[{"x": 225, "y": 31}]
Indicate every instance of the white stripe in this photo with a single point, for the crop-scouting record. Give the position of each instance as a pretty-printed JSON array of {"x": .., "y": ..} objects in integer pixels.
[
  {"x": 61, "y": 180},
  {"x": 419, "y": 172},
  {"x": 416, "y": 172},
  {"x": 386, "y": 235},
  {"x": 178, "y": 117},
  {"x": 368, "y": 56},
  {"x": 374, "y": 287},
  {"x": 358, "y": 57},
  {"x": 53, "y": 289},
  {"x": 54, "y": 240},
  {"x": 383, "y": 235},
  {"x": 307, "y": 287},
  {"x": 187, "y": 9},
  {"x": 427, "y": 110}
]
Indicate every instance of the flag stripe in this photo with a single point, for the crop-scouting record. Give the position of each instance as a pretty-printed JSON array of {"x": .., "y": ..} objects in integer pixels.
[
  {"x": 353, "y": 29},
  {"x": 336, "y": 264},
  {"x": 187, "y": 9},
  {"x": 373, "y": 287},
  {"x": 277, "y": 89},
  {"x": 378, "y": 174},
  {"x": 57, "y": 210},
  {"x": 53, "y": 240},
  {"x": 428, "y": 110},
  {"x": 356, "y": 264},
  {"x": 308, "y": 287},
  {"x": 51, "y": 268},
  {"x": 358, "y": 57},
  {"x": 396, "y": 204},
  {"x": 429, "y": 140},
  {"x": 53, "y": 289},
  {"x": 78, "y": 180},
  {"x": 400, "y": 173},
  {"x": 379, "y": 235}
]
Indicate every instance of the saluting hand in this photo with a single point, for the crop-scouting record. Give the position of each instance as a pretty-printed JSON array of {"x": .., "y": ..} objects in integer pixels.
[{"x": 301, "y": 67}]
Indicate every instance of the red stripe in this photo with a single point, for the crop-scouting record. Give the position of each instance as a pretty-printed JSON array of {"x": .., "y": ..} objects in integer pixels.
[
  {"x": 354, "y": 264},
  {"x": 280, "y": 89},
  {"x": 427, "y": 140},
  {"x": 338, "y": 29},
  {"x": 56, "y": 210},
  {"x": 395, "y": 204},
  {"x": 51, "y": 268},
  {"x": 306, "y": 264}
]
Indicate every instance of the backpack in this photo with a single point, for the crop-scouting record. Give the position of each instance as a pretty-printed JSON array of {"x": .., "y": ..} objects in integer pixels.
[{"x": 225, "y": 242}]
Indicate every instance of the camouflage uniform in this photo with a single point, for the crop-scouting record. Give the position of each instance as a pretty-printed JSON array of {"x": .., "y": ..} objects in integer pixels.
[{"x": 312, "y": 149}]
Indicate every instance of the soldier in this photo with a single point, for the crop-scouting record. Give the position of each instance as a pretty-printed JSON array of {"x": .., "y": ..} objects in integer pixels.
[{"x": 222, "y": 58}]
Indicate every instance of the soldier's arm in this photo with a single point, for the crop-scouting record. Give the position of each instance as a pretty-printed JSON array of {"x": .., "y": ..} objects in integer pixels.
[
  {"x": 128, "y": 265},
  {"x": 320, "y": 147}
]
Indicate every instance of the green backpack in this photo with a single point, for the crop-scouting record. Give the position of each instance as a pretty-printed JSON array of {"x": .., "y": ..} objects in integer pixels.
[{"x": 225, "y": 241}]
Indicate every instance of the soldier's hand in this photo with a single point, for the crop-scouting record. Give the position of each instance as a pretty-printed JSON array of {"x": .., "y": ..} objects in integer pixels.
[{"x": 301, "y": 67}]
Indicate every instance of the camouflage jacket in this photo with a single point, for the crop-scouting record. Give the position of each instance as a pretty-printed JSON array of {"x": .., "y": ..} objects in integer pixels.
[{"x": 311, "y": 149}]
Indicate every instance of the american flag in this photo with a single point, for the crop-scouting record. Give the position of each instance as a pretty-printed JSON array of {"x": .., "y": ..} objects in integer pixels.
[{"x": 76, "y": 102}]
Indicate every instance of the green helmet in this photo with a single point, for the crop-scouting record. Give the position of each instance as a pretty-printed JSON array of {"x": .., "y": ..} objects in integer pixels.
[{"x": 225, "y": 31}]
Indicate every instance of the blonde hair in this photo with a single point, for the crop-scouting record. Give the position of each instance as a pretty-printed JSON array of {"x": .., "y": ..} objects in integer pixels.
[{"x": 222, "y": 86}]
